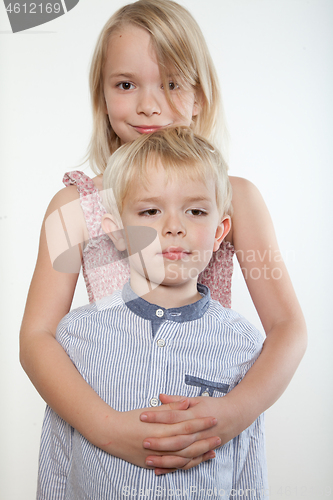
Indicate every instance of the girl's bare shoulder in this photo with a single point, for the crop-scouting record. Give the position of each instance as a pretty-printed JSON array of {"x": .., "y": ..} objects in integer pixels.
[
  {"x": 63, "y": 197},
  {"x": 246, "y": 202},
  {"x": 242, "y": 187}
]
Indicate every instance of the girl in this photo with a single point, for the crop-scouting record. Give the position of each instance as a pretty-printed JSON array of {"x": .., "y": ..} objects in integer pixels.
[{"x": 152, "y": 69}]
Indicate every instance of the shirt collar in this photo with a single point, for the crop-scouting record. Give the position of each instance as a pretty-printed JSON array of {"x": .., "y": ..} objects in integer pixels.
[{"x": 155, "y": 313}]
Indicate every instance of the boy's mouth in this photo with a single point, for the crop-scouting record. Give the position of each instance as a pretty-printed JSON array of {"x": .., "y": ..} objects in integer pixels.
[{"x": 175, "y": 253}]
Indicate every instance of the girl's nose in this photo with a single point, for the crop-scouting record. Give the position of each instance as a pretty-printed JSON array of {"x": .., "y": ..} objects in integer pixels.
[{"x": 148, "y": 104}]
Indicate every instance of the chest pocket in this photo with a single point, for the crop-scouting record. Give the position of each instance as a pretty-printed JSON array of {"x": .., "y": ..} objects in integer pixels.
[{"x": 206, "y": 386}]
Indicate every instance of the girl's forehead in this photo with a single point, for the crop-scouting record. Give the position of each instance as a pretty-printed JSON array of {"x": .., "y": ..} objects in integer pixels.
[
  {"x": 128, "y": 34},
  {"x": 130, "y": 47}
]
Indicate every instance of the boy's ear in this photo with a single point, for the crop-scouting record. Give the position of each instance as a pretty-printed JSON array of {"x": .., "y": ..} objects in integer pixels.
[
  {"x": 111, "y": 227},
  {"x": 221, "y": 232}
]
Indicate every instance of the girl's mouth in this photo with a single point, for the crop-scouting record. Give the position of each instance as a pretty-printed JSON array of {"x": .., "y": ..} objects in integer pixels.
[{"x": 145, "y": 129}]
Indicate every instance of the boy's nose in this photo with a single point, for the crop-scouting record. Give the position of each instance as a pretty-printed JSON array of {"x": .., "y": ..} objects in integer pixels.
[
  {"x": 173, "y": 226},
  {"x": 148, "y": 104}
]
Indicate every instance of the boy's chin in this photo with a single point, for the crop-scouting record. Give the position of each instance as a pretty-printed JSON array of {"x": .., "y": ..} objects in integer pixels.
[{"x": 179, "y": 281}]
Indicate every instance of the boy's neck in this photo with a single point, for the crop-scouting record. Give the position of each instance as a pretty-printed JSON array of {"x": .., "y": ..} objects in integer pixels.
[{"x": 169, "y": 296}]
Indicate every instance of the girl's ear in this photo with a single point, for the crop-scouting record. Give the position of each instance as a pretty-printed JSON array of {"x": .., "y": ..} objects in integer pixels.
[
  {"x": 111, "y": 227},
  {"x": 221, "y": 232}
]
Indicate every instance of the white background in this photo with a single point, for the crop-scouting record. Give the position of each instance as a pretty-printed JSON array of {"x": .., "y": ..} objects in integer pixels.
[{"x": 274, "y": 59}]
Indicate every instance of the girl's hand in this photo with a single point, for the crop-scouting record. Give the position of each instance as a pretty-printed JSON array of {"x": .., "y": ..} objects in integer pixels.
[
  {"x": 222, "y": 409},
  {"x": 181, "y": 443}
]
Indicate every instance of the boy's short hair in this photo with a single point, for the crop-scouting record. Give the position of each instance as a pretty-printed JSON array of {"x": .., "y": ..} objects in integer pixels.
[{"x": 179, "y": 151}]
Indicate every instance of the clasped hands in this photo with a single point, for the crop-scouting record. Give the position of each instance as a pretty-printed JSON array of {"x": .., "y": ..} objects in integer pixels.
[{"x": 176, "y": 435}]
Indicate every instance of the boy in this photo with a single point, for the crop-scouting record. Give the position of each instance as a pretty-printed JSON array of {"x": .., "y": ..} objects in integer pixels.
[{"x": 168, "y": 207}]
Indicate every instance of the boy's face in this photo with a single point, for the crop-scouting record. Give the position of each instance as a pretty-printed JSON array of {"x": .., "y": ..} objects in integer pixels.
[{"x": 185, "y": 216}]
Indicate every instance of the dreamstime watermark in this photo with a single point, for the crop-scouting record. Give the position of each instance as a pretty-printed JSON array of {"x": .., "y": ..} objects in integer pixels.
[{"x": 24, "y": 14}]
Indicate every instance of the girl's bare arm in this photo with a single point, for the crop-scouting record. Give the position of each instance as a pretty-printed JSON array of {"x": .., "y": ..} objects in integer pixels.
[
  {"x": 273, "y": 295},
  {"x": 274, "y": 298}
]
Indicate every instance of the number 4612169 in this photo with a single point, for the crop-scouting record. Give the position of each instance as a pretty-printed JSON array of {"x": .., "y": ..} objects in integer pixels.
[{"x": 34, "y": 8}]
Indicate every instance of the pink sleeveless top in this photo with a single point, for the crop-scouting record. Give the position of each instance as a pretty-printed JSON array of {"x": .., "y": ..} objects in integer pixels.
[{"x": 105, "y": 269}]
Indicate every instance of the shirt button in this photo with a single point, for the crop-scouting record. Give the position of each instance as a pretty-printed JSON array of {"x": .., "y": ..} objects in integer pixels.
[
  {"x": 161, "y": 343},
  {"x": 205, "y": 393},
  {"x": 153, "y": 402},
  {"x": 159, "y": 313}
]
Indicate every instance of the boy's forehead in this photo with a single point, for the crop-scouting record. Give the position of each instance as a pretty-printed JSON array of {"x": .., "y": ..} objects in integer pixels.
[{"x": 158, "y": 180}]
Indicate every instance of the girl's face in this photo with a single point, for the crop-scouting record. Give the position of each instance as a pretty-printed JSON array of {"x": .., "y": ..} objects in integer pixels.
[{"x": 133, "y": 90}]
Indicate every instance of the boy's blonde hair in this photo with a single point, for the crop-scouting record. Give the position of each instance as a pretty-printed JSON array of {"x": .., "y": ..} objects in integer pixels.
[
  {"x": 179, "y": 151},
  {"x": 180, "y": 48}
]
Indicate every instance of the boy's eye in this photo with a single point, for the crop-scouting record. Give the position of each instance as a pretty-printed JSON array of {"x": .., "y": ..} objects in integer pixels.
[
  {"x": 196, "y": 212},
  {"x": 149, "y": 212},
  {"x": 125, "y": 86}
]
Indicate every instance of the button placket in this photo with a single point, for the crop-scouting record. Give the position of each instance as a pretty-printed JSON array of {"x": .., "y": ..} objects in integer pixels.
[{"x": 158, "y": 367}]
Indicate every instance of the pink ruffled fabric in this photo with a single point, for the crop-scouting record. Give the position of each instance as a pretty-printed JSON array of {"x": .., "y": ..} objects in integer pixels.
[{"x": 105, "y": 269}]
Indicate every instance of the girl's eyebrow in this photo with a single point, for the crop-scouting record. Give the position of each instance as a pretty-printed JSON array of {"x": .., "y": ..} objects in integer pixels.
[{"x": 122, "y": 75}]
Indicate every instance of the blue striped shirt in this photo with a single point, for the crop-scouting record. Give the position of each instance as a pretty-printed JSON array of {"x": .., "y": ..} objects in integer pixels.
[{"x": 130, "y": 351}]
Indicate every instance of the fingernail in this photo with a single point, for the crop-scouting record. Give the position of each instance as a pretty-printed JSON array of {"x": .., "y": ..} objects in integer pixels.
[
  {"x": 146, "y": 444},
  {"x": 149, "y": 462},
  {"x": 212, "y": 454},
  {"x": 214, "y": 421},
  {"x": 182, "y": 400},
  {"x": 218, "y": 442},
  {"x": 143, "y": 417}
]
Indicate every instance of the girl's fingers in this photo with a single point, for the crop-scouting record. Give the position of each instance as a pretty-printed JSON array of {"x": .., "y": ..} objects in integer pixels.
[
  {"x": 181, "y": 435},
  {"x": 181, "y": 405},
  {"x": 166, "y": 398},
  {"x": 190, "y": 463},
  {"x": 187, "y": 446},
  {"x": 167, "y": 462},
  {"x": 166, "y": 416}
]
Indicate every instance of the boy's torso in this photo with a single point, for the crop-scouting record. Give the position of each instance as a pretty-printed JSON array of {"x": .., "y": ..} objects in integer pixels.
[{"x": 129, "y": 360}]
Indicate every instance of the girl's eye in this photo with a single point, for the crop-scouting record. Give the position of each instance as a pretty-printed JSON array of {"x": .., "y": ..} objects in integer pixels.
[
  {"x": 125, "y": 86},
  {"x": 196, "y": 212},
  {"x": 150, "y": 212},
  {"x": 172, "y": 86}
]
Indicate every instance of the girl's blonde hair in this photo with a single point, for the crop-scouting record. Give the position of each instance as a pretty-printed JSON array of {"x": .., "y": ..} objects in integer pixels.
[
  {"x": 179, "y": 152},
  {"x": 180, "y": 48}
]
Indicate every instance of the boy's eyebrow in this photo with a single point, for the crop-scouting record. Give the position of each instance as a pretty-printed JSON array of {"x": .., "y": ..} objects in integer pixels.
[{"x": 189, "y": 199}]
